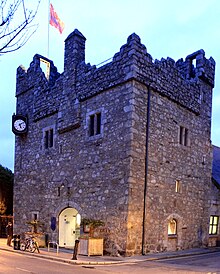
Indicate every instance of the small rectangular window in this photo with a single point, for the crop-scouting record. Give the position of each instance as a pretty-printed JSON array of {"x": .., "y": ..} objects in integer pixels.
[
  {"x": 186, "y": 137},
  {"x": 98, "y": 125},
  {"x": 178, "y": 186},
  {"x": 92, "y": 125},
  {"x": 35, "y": 215},
  {"x": 213, "y": 225},
  {"x": 172, "y": 227},
  {"x": 51, "y": 138},
  {"x": 95, "y": 122},
  {"x": 183, "y": 136},
  {"x": 48, "y": 138}
]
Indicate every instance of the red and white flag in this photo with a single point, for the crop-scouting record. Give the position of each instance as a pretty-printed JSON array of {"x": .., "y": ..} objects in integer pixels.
[{"x": 55, "y": 20}]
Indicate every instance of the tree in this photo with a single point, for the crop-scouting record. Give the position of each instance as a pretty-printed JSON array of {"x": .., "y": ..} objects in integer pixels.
[
  {"x": 6, "y": 190},
  {"x": 16, "y": 24},
  {"x": 3, "y": 208}
]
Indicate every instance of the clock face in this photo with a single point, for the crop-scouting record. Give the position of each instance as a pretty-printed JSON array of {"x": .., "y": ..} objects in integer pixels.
[{"x": 19, "y": 125}]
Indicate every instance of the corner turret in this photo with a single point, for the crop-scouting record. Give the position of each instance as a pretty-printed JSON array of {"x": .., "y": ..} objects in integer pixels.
[{"x": 74, "y": 51}]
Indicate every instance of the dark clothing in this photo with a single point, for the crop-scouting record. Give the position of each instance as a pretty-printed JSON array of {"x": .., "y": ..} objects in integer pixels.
[{"x": 9, "y": 230}]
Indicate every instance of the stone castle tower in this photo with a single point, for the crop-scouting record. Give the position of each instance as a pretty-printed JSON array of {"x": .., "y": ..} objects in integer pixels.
[{"x": 127, "y": 143}]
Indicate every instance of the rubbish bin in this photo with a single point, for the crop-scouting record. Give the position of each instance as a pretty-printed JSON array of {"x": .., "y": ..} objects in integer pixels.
[{"x": 16, "y": 240}]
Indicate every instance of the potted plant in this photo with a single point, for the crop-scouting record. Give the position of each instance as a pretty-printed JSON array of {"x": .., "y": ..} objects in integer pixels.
[
  {"x": 89, "y": 225},
  {"x": 89, "y": 244}
]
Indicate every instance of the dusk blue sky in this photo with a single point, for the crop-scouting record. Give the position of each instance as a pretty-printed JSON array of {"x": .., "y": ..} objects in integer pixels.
[{"x": 168, "y": 28}]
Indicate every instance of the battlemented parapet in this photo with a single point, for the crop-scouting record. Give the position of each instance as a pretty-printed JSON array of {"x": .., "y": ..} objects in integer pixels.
[{"x": 176, "y": 80}]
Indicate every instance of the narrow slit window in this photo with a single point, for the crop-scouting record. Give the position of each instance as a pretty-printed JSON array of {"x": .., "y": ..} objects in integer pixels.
[
  {"x": 183, "y": 136},
  {"x": 178, "y": 186},
  {"x": 98, "y": 125},
  {"x": 92, "y": 125},
  {"x": 186, "y": 137},
  {"x": 48, "y": 138},
  {"x": 51, "y": 138}
]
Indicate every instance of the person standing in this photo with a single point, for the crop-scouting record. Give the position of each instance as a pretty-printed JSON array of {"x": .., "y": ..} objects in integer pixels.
[{"x": 9, "y": 230}]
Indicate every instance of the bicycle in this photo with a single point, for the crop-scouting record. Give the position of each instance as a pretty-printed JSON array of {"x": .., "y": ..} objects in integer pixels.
[{"x": 30, "y": 245}]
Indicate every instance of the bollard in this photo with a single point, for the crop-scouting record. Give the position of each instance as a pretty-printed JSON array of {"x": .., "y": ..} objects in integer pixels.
[
  {"x": 16, "y": 242},
  {"x": 75, "y": 250}
]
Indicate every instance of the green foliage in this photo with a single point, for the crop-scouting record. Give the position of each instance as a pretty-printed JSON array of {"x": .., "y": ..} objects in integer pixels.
[
  {"x": 6, "y": 175},
  {"x": 92, "y": 222},
  {"x": 6, "y": 191}
]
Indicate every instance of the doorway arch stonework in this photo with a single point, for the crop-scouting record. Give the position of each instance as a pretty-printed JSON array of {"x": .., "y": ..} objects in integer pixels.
[
  {"x": 69, "y": 227},
  {"x": 58, "y": 234}
]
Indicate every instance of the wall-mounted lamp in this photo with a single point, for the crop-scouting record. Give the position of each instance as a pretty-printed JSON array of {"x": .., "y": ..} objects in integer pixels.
[{"x": 78, "y": 219}]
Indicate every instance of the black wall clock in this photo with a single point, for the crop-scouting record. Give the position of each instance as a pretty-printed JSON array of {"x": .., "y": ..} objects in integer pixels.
[{"x": 19, "y": 124}]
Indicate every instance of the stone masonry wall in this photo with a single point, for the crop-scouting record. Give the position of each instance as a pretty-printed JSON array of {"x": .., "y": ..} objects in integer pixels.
[{"x": 106, "y": 173}]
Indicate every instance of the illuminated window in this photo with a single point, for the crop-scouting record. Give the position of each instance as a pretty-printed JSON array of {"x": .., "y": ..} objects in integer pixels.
[
  {"x": 172, "y": 227},
  {"x": 213, "y": 225},
  {"x": 183, "y": 136},
  {"x": 178, "y": 186}
]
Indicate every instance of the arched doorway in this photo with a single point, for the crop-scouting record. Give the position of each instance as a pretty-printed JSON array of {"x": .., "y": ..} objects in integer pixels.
[{"x": 69, "y": 227}]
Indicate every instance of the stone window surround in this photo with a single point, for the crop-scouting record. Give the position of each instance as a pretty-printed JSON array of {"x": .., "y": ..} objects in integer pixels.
[
  {"x": 35, "y": 215},
  {"x": 172, "y": 231},
  {"x": 47, "y": 129},
  {"x": 88, "y": 115},
  {"x": 183, "y": 136}
]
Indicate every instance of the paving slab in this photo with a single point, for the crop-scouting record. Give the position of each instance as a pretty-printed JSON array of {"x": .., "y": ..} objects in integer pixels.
[{"x": 65, "y": 255}]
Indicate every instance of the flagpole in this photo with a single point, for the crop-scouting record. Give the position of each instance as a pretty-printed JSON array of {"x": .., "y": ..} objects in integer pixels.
[{"x": 48, "y": 31}]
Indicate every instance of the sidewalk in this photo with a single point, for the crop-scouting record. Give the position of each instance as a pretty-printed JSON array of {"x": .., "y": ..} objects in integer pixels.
[{"x": 65, "y": 255}]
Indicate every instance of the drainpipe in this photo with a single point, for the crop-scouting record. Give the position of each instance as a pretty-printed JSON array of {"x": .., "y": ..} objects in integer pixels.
[{"x": 146, "y": 167}]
